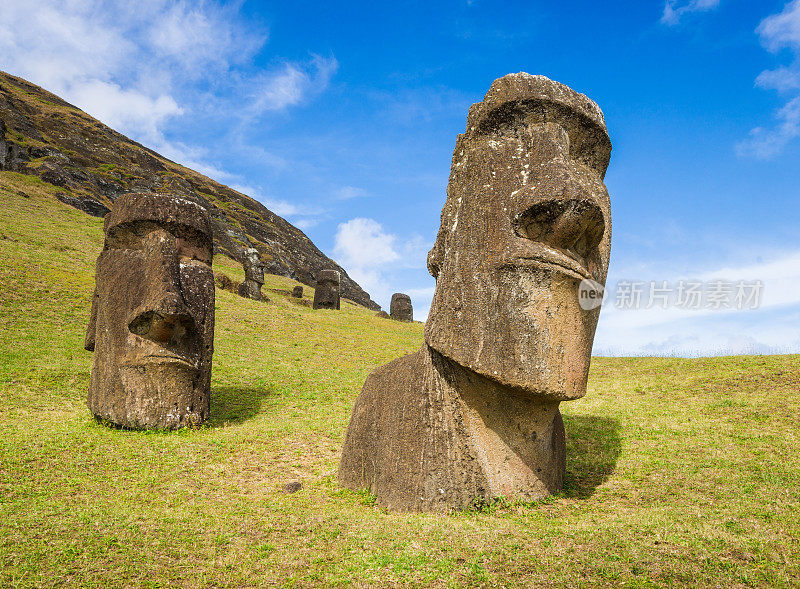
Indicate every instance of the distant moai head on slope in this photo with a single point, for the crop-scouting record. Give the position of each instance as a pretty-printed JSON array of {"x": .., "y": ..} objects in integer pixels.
[
  {"x": 527, "y": 218},
  {"x": 297, "y": 292},
  {"x": 400, "y": 308},
  {"x": 152, "y": 323},
  {"x": 326, "y": 295},
  {"x": 253, "y": 275}
]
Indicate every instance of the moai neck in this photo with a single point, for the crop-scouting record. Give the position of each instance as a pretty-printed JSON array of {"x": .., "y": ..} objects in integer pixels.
[{"x": 517, "y": 439}]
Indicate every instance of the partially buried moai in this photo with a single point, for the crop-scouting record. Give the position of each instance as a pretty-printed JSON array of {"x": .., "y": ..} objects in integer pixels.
[
  {"x": 400, "y": 307},
  {"x": 297, "y": 292},
  {"x": 326, "y": 294},
  {"x": 253, "y": 275},
  {"x": 152, "y": 323},
  {"x": 474, "y": 413}
]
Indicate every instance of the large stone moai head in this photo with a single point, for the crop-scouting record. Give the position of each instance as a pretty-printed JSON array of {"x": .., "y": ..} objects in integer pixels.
[
  {"x": 326, "y": 295},
  {"x": 400, "y": 308},
  {"x": 253, "y": 274},
  {"x": 527, "y": 218},
  {"x": 152, "y": 324},
  {"x": 297, "y": 292}
]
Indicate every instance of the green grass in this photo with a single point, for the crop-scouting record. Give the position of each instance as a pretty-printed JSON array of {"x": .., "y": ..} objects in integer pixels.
[{"x": 679, "y": 472}]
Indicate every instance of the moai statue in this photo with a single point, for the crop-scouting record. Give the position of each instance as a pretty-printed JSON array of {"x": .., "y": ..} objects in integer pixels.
[
  {"x": 326, "y": 295},
  {"x": 400, "y": 308},
  {"x": 297, "y": 292},
  {"x": 526, "y": 227},
  {"x": 152, "y": 323},
  {"x": 253, "y": 275}
]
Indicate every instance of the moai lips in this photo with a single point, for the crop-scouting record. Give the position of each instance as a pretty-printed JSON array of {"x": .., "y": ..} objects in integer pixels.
[
  {"x": 474, "y": 414},
  {"x": 400, "y": 307},
  {"x": 152, "y": 323}
]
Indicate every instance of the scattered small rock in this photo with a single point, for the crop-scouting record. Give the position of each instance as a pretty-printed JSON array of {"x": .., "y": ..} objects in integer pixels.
[{"x": 292, "y": 487}]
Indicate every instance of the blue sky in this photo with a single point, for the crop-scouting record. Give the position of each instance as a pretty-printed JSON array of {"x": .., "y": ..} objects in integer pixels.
[{"x": 342, "y": 116}]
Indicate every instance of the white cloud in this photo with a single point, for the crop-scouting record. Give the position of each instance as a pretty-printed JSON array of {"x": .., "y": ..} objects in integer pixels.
[
  {"x": 767, "y": 143},
  {"x": 778, "y": 31},
  {"x": 141, "y": 66},
  {"x": 677, "y": 331},
  {"x": 782, "y": 79},
  {"x": 348, "y": 192},
  {"x": 362, "y": 243},
  {"x": 126, "y": 109},
  {"x": 674, "y": 10},
  {"x": 783, "y": 29},
  {"x": 374, "y": 259},
  {"x": 291, "y": 84},
  {"x": 300, "y": 215}
]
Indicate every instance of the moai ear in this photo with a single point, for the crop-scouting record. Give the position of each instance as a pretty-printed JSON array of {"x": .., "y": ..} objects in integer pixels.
[{"x": 88, "y": 343}]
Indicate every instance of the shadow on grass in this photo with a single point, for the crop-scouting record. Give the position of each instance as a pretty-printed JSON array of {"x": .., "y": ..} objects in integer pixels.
[
  {"x": 236, "y": 404},
  {"x": 593, "y": 448}
]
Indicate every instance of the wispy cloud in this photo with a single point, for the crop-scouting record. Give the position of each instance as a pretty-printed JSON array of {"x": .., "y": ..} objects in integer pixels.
[
  {"x": 348, "y": 192},
  {"x": 290, "y": 84},
  {"x": 145, "y": 66},
  {"x": 778, "y": 32},
  {"x": 301, "y": 215},
  {"x": 674, "y": 10}
]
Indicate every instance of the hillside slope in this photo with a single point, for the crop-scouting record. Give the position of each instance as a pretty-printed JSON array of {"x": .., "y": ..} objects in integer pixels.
[
  {"x": 679, "y": 473},
  {"x": 42, "y": 135}
]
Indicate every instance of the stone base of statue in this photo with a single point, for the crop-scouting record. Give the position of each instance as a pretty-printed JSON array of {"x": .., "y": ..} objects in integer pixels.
[{"x": 428, "y": 435}]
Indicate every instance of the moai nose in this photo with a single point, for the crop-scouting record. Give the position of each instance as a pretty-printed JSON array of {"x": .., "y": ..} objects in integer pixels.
[
  {"x": 167, "y": 321},
  {"x": 574, "y": 226},
  {"x": 164, "y": 317}
]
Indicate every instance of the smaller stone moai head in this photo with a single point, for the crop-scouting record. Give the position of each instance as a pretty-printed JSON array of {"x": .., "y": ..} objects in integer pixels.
[
  {"x": 326, "y": 295},
  {"x": 253, "y": 274},
  {"x": 152, "y": 323},
  {"x": 297, "y": 292},
  {"x": 527, "y": 220},
  {"x": 253, "y": 266},
  {"x": 400, "y": 308}
]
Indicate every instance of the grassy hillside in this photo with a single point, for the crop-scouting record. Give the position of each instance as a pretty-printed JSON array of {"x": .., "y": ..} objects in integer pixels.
[{"x": 679, "y": 472}]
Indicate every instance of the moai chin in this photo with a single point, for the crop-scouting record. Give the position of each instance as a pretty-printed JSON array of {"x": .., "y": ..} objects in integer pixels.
[
  {"x": 326, "y": 294},
  {"x": 152, "y": 322},
  {"x": 400, "y": 308},
  {"x": 253, "y": 275},
  {"x": 474, "y": 414}
]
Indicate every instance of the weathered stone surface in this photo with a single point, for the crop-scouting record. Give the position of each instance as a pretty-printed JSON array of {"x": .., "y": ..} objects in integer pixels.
[
  {"x": 152, "y": 323},
  {"x": 474, "y": 413},
  {"x": 326, "y": 294},
  {"x": 383, "y": 315},
  {"x": 91, "y": 207},
  {"x": 253, "y": 275},
  {"x": 297, "y": 292},
  {"x": 400, "y": 307},
  {"x": 292, "y": 486}
]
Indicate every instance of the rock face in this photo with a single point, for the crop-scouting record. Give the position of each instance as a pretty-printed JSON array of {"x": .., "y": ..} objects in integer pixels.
[
  {"x": 152, "y": 322},
  {"x": 326, "y": 295},
  {"x": 42, "y": 135},
  {"x": 474, "y": 413},
  {"x": 400, "y": 308},
  {"x": 297, "y": 292},
  {"x": 253, "y": 275}
]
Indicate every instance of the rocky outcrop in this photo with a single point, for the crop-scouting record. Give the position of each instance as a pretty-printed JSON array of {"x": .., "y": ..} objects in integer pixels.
[{"x": 43, "y": 135}]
